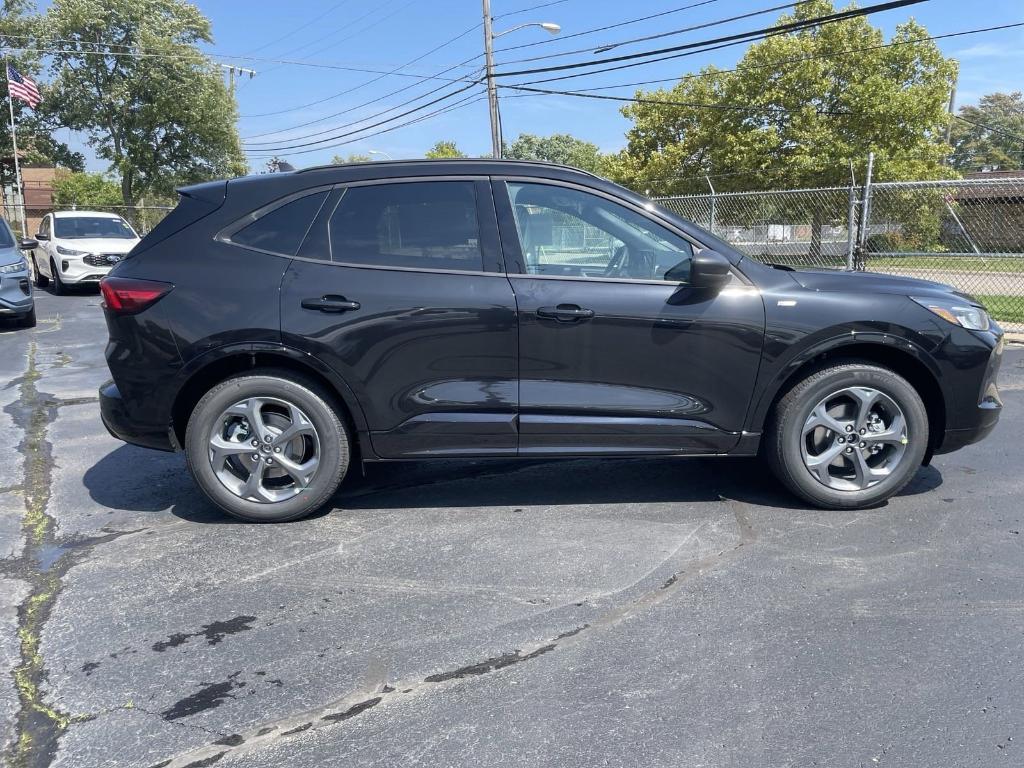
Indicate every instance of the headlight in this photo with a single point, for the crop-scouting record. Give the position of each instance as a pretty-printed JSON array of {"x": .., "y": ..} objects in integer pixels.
[
  {"x": 18, "y": 266},
  {"x": 956, "y": 311},
  {"x": 70, "y": 251}
]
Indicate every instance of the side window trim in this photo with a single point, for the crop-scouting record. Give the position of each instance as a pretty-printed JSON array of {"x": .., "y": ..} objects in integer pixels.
[
  {"x": 489, "y": 233},
  {"x": 224, "y": 235},
  {"x": 514, "y": 259}
]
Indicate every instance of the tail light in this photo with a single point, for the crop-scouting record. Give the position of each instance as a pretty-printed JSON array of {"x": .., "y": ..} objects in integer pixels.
[{"x": 128, "y": 296}]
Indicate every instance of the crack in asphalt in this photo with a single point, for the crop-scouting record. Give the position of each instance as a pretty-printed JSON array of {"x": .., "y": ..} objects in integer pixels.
[
  {"x": 42, "y": 564},
  {"x": 376, "y": 691}
]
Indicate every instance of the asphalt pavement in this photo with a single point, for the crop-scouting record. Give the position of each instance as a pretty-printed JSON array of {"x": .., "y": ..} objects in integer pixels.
[{"x": 577, "y": 613}]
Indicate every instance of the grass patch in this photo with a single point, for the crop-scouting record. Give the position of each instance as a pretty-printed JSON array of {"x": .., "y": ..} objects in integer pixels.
[
  {"x": 1007, "y": 309},
  {"x": 966, "y": 264}
]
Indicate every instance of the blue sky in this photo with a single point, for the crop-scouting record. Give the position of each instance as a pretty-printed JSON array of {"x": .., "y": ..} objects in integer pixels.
[{"x": 355, "y": 34}]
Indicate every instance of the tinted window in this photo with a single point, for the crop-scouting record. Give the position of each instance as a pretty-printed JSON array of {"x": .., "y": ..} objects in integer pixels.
[
  {"x": 421, "y": 225},
  {"x": 281, "y": 230},
  {"x": 6, "y": 238},
  {"x": 567, "y": 232},
  {"x": 80, "y": 227}
]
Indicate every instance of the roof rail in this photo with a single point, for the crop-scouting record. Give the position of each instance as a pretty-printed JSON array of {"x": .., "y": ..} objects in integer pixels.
[{"x": 440, "y": 161}]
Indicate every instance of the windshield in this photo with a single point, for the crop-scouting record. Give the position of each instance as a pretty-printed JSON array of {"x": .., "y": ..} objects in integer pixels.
[
  {"x": 6, "y": 238},
  {"x": 79, "y": 227}
]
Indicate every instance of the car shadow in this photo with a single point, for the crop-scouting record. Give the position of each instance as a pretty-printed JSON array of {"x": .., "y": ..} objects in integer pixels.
[{"x": 139, "y": 480}]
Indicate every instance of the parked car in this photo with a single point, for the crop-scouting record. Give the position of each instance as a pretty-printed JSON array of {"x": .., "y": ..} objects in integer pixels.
[
  {"x": 280, "y": 328},
  {"x": 15, "y": 290},
  {"x": 79, "y": 247}
]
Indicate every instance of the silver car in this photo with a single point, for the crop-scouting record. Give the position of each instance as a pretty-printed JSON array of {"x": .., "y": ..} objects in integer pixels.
[{"x": 15, "y": 288}]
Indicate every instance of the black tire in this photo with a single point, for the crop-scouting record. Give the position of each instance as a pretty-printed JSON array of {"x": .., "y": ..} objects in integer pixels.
[
  {"x": 29, "y": 320},
  {"x": 785, "y": 433},
  {"x": 58, "y": 285},
  {"x": 293, "y": 388},
  {"x": 40, "y": 280}
]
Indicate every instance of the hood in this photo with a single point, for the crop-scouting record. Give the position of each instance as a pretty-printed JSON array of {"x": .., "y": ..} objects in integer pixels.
[
  {"x": 871, "y": 282},
  {"x": 98, "y": 244}
]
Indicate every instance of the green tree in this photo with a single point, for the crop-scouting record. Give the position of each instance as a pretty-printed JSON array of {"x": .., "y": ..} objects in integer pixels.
[
  {"x": 444, "y": 149},
  {"x": 86, "y": 190},
  {"x": 975, "y": 145},
  {"x": 794, "y": 113},
  {"x": 162, "y": 119},
  {"x": 34, "y": 126},
  {"x": 353, "y": 157},
  {"x": 558, "y": 148}
]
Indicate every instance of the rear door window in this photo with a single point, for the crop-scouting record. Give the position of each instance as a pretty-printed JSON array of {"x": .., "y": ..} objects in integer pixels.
[
  {"x": 281, "y": 229},
  {"x": 411, "y": 225}
]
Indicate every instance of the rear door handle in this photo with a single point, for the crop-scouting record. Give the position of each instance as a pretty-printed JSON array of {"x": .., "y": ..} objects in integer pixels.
[
  {"x": 330, "y": 304},
  {"x": 565, "y": 312}
]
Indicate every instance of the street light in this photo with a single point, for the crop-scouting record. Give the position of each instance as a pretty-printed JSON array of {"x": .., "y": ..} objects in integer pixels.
[
  {"x": 492, "y": 90},
  {"x": 378, "y": 152}
]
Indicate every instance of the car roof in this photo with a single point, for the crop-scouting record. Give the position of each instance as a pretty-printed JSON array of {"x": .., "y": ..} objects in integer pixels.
[{"x": 74, "y": 214}]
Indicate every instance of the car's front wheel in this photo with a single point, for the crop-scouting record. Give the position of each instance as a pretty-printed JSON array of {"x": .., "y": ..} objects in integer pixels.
[
  {"x": 267, "y": 446},
  {"x": 58, "y": 285},
  {"x": 848, "y": 436}
]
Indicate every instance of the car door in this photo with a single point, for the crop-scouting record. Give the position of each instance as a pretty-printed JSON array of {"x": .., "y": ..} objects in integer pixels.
[
  {"x": 42, "y": 253},
  {"x": 618, "y": 354},
  {"x": 400, "y": 288}
]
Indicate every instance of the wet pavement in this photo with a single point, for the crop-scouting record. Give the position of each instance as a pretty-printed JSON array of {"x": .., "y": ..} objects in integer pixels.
[{"x": 581, "y": 613}]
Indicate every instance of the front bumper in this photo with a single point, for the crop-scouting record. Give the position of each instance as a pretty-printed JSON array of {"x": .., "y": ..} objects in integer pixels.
[
  {"x": 15, "y": 294},
  {"x": 976, "y": 421},
  {"x": 120, "y": 424},
  {"x": 78, "y": 272}
]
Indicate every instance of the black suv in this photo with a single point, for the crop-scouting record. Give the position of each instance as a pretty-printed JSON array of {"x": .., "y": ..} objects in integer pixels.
[{"x": 278, "y": 328}]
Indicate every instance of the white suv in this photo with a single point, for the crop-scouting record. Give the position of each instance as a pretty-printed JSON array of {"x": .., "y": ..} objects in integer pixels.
[{"x": 79, "y": 247}]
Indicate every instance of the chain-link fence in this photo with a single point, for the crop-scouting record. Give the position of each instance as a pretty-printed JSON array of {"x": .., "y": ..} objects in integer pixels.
[
  {"x": 967, "y": 233},
  {"x": 142, "y": 217}
]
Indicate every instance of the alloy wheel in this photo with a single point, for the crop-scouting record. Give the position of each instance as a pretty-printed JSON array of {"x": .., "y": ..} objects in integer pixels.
[
  {"x": 854, "y": 438},
  {"x": 264, "y": 449}
]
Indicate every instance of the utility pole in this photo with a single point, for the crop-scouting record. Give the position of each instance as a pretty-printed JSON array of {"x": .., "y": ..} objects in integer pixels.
[
  {"x": 492, "y": 90},
  {"x": 952, "y": 106},
  {"x": 231, "y": 69}
]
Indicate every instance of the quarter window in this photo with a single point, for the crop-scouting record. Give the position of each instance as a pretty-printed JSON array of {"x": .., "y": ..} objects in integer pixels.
[
  {"x": 282, "y": 229},
  {"x": 417, "y": 225},
  {"x": 566, "y": 232}
]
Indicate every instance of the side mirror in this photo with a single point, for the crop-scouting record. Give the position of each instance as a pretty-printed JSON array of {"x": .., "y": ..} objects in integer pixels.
[
  {"x": 709, "y": 269},
  {"x": 28, "y": 244},
  {"x": 41, "y": 236}
]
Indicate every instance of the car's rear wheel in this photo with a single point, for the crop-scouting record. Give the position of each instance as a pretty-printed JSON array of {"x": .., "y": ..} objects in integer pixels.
[
  {"x": 848, "y": 436},
  {"x": 267, "y": 446},
  {"x": 40, "y": 280},
  {"x": 58, "y": 285}
]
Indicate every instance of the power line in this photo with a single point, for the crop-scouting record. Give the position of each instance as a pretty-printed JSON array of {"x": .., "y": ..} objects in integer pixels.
[
  {"x": 347, "y": 25},
  {"x": 609, "y": 46},
  {"x": 562, "y": 38},
  {"x": 354, "y": 88},
  {"x": 346, "y": 125},
  {"x": 776, "y": 64},
  {"x": 992, "y": 128},
  {"x": 739, "y": 37},
  {"x": 664, "y": 102},
  {"x": 531, "y": 8},
  {"x": 284, "y": 148},
  {"x": 465, "y": 102},
  {"x": 295, "y": 31}
]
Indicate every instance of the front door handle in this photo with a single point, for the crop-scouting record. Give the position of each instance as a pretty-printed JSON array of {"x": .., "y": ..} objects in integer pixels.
[
  {"x": 330, "y": 304},
  {"x": 565, "y": 312}
]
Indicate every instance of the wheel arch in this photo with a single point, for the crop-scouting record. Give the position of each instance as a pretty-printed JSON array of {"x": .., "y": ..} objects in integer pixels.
[
  {"x": 901, "y": 356},
  {"x": 202, "y": 374}
]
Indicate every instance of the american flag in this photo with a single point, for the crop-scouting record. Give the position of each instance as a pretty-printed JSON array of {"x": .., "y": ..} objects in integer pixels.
[{"x": 22, "y": 87}]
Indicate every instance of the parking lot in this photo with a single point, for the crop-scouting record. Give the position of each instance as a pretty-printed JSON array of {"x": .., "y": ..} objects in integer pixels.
[{"x": 578, "y": 613}]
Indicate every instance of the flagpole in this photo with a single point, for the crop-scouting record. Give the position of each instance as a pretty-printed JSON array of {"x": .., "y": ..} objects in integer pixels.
[{"x": 19, "y": 194}]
